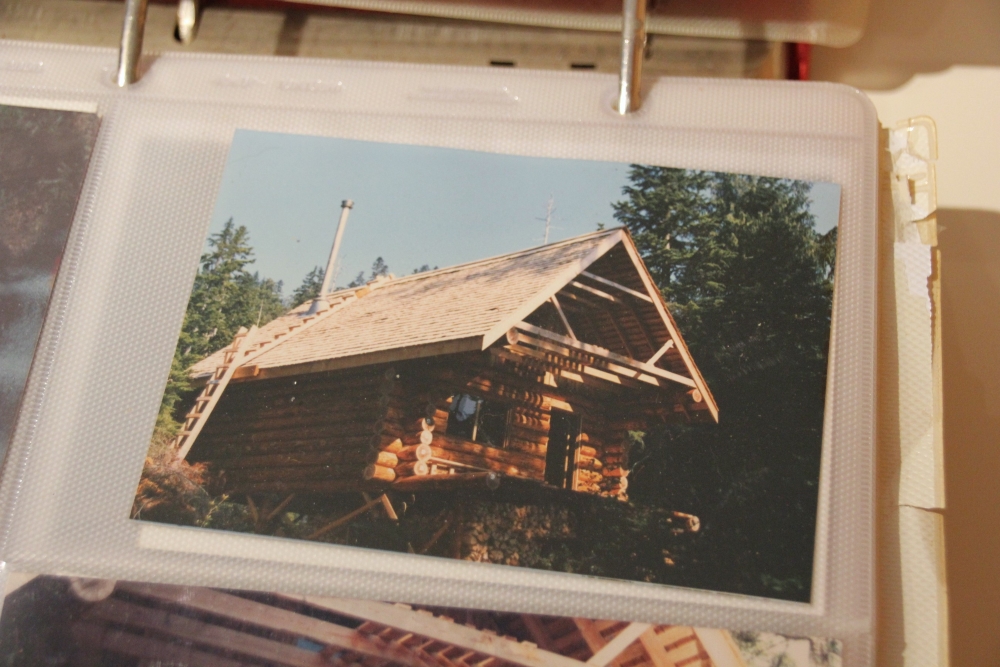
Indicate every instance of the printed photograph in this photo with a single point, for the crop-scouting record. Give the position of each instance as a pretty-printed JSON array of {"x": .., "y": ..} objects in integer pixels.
[
  {"x": 104, "y": 623},
  {"x": 45, "y": 153},
  {"x": 586, "y": 367}
]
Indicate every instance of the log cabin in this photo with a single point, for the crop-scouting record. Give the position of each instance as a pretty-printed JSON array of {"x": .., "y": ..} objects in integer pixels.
[{"x": 535, "y": 365}]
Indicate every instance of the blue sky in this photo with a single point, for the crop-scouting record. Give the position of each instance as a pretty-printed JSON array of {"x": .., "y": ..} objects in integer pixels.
[{"x": 413, "y": 205}]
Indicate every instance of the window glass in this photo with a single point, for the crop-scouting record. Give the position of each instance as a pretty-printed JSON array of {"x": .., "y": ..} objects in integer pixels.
[
  {"x": 492, "y": 427},
  {"x": 476, "y": 419}
]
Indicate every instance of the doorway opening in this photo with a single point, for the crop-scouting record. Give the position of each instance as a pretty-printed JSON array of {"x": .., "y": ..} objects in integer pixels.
[{"x": 560, "y": 456}]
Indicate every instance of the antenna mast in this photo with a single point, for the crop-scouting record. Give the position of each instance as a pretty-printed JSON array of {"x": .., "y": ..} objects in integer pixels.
[{"x": 549, "y": 210}]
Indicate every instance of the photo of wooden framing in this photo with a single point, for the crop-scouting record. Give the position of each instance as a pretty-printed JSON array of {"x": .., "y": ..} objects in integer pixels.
[
  {"x": 541, "y": 407},
  {"x": 72, "y": 621}
]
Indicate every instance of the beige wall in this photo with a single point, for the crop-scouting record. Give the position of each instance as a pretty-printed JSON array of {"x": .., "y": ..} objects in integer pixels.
[{"x": 942, "y": 59}]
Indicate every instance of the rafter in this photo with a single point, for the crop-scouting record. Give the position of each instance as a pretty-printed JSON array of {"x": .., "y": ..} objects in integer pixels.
[
  {"x": 618, "y": 286},
  {"x": 191, "y": 630},
  {"x": 596, "y": 292},
  {"x": 655, "y": 650},
  {"x": 646, "y": 333},
  {"x": 662, "y": 351},
  {"x": 616, "y": 646},
  {"x": 249, "y": 611},
  {"x": 575, "y": 303},
  {"x": 720, "y": 647},
  {"x": 427, "y": 625},
  {"x": 631, "y": 364},
  {"x": 562, "y": 316}
]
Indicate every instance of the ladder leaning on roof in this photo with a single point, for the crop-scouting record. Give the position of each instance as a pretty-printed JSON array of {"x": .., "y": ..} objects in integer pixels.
[{"x": 239, "y": 353}]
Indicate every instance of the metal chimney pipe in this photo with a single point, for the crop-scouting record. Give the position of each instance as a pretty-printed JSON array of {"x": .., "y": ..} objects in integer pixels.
[
  {"x": 320, "y": 304},
  {"x": 345, "y": 208}
]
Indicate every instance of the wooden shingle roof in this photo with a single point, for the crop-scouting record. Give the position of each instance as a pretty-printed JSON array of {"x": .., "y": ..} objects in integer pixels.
[{"x": 471, "y": 306}]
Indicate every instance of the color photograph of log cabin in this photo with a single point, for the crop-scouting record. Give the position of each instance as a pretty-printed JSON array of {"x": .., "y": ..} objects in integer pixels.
[
  {"x": 71, "y": 621},
  {"x": 531, "y": 366},
  {"x": 641, "y": 402}
]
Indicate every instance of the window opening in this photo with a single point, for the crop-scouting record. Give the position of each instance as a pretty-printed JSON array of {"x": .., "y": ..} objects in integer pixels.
[{"x": 479, "y": 420}]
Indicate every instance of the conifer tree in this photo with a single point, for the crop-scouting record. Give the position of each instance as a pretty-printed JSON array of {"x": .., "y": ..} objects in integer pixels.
[
  {"x": 750, "y": 282},
  {"x": 309, "y": 289},
  {"x": 225, "y": 297}
]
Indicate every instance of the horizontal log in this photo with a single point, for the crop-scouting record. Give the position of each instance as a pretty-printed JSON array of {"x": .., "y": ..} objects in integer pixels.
[
  {"x": 589, "y": 476},
  {"x": 268, "y": 391},
  {"x": 586, "y": 451},
  {"x": 340, "y": 433},
  {"x": 418, "y": 468},
  {"x": 418, "y": 425},
  {"x": 465, "y": 462},
  {"x": 530, "y": 395},
  {"x": 529, "y": 424},
  {"x": 267, "y": 394},
  {"x": 590, "y": 464},
  {"x": 534, "y": 413},
  {"x": 349, "y": 407},
  {"x": 414, "y": 409},
  {"x": 262, "y": 422},
  {"x": 485, "y": 480},
  {"x": 421, "y": 438},
  {"x": 471, "y": 452},
  {"x": 387, "y": 459},
  {"x": 508, "y": 392},
  {"x": 322, "y": 458},
  {"x": 207, "y": 447},
  {"x": 239, "y": 448},
  {"x": 395, "y": 445},
  {"x": 527, "y": 447},
  {"x": 530, "y": 435},
  {"x": 391, "y": 432},
  {"x": 420, "y": 452},
  {"x": 383, "y": 473},
  {"x": 295, "y": 410},
  {"x": 580, "y": 395}
]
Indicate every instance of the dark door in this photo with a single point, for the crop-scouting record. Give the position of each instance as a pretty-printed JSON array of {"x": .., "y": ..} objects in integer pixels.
[{"x": 564, "y": 430}]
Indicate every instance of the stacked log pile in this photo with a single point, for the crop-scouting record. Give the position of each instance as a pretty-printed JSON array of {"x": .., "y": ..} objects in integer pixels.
[
  {"x": 513, "y": 535},
  {"x": 327, "y": 432}
]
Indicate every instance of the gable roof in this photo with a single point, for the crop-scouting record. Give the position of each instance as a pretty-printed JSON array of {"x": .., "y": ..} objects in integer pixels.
[{"x": 470, "y": 306}]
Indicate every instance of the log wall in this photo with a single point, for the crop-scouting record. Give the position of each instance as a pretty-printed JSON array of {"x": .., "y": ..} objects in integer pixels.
[
  {"x": 325, "y": 432},
  {"x": 360, "y": 428},
  {"x": 527, "y": 387}
]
